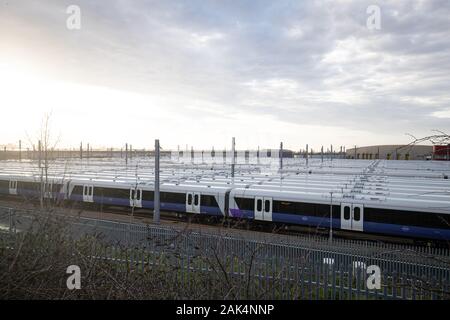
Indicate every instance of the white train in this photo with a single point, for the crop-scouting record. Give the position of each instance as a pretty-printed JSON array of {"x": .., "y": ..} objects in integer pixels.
[{"x": 388, "y": 206}]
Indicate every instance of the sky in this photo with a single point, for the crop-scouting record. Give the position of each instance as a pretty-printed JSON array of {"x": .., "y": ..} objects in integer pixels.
[{"x": 200, "y": 72}]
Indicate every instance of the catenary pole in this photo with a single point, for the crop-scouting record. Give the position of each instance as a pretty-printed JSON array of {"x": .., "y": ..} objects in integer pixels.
[
  {"x": 233, "y": 159},
  {"x": 331, "y": 216},
  {"x": 281, "y": 156},
  {"x": 156, "y": 214}
]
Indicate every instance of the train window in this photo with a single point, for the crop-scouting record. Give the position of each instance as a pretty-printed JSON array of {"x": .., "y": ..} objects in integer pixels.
[
  {"x": 307, "y": 209},
  {"x": 119, "y": 193},
  {"x": 208, "y": 201},
  {"x": 259, "y": 205},
  {"x": 347, "y": 213},
  {"x": 171, "y": 197},
  {"x": 113, "y": 193},
  {"x": 412, "y": 218},
  {"x": 4, "y": 184},
  {"x": 267, "y": 206},
  {"x": 196, "y": 199},
  {"x": 150, "y": 196},
  {"x": 77, "y": 190},
  {"x": 245, "y": 203},
  {"x": 323, "y": 210},
  {"x": 284, "y": 207},
  {"x": 337, "y": 212},
  {"x": 356, "y": 214},
  {"x": 189, "y": 198},
  {"x": 28, "y": 185},
  {"x": 99, "y": 192}
]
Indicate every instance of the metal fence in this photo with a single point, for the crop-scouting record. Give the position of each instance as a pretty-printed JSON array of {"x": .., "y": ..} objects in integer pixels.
[{"x": 265, "y": 266}]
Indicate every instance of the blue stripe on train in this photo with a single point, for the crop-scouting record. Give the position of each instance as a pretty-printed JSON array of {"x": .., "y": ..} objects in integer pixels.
[
  {"x": 27, "y": 192},
  {"x": 76, "y": 197},
  {"x": 407, "y": 231},
  {"x": 167, "y": 206},
  {"x": 35, "y": 193},
  {"x": 370, "y": 227},
  {"x": 238, "y": 213}
]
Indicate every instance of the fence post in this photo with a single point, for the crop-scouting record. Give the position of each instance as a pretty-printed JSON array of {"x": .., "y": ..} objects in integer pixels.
[{"x": 11, "y": 221}]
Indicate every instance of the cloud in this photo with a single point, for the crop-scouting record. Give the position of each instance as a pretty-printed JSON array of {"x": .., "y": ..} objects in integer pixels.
[{"x": 298, "y": 63}]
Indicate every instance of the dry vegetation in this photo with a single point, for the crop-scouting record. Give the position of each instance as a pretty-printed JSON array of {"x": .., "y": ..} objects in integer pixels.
[{"x": 34, "y": 263}]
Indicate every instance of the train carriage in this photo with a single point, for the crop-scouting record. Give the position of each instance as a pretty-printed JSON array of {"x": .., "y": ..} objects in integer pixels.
[
  {"x": 29, "y": 187},
  {"x": 198, "y": 199},
  {"x": 394, "y": 205},
  {"x": 417, "y": 218}
]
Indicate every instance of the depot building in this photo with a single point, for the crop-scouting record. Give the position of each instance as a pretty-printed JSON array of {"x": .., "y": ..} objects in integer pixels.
[{"x": 391, "y": 152}]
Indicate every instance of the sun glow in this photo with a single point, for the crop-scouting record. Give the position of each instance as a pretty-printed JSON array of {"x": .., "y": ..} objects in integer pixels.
[{"x": 79, "y": 112}]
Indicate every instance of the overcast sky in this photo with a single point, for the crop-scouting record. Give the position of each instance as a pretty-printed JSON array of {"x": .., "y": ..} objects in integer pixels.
[{"x": 199, "y": 72}]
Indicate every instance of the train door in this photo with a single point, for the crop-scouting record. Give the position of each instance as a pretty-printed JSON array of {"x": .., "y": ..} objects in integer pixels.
[
  {"x": 352, "y": 216},
  {"x": 136, "y": 198},
  {"x": 193, "y": 202},
  {"x": 357, "y": 217},
  {"x": 12, "y": 187},
  {"x": 259, "y": 213},
  {"x": 189, "y": 201},
  {"x": 267, "y": 209},
  {"x": 88, "y": 193},
  {"x": 346, "y": 216},
  {"x": 48, "y": 190},
  {"x": 196, "y": 204},
  {"x": 263, "y": 208}
]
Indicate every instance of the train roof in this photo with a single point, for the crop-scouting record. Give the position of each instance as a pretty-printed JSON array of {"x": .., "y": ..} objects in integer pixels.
[{"x": 400, "y": 184}]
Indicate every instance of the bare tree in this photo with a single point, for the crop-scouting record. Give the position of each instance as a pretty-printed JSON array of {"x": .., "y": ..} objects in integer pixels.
[
  {"x": 45, "y": 148},
  {"x": 439, "y": 138}
]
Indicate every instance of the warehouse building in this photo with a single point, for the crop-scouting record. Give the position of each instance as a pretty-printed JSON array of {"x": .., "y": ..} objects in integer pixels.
[
  {"x": 441, "y": 152},
  {"x": 391, "y": 152}
]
